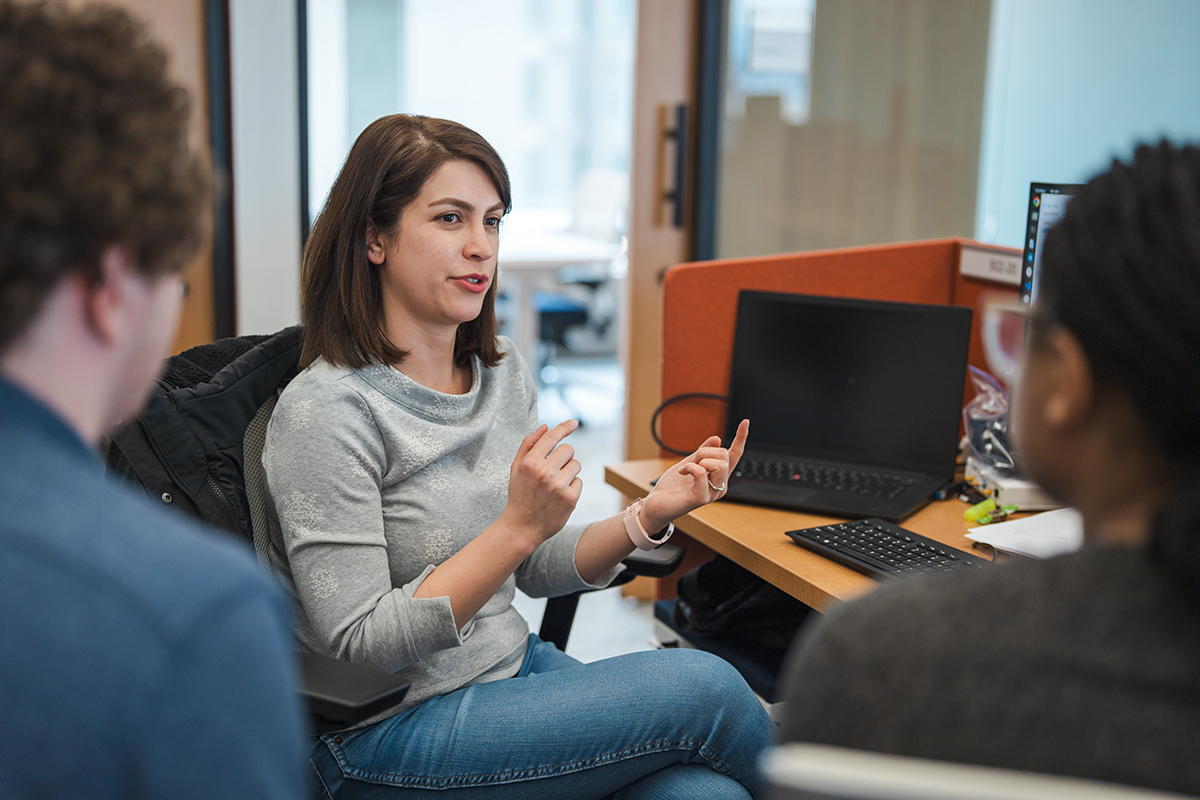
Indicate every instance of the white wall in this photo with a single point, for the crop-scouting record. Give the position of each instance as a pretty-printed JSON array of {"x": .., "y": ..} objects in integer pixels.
[
  {"x": 266, "y": 164},
  {"x": 1074, "y": 83}
]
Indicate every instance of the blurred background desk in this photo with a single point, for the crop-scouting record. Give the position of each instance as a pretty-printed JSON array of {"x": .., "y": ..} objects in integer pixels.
[
  {"x": 754, "y": 537},
  {"x": 530, "y": 260}
]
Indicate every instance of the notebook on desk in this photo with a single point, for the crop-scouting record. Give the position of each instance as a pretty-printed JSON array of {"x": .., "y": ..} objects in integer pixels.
[{"x": 854, "y": 405}]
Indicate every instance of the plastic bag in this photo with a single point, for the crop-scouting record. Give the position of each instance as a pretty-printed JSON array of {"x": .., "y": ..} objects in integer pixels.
[{"x": 985, "y": 420}]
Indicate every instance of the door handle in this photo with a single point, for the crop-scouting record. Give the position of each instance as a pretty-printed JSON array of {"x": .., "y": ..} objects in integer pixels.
[{"x": 676, "y": 195}]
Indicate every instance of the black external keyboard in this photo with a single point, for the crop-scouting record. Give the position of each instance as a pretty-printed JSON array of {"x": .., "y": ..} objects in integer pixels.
[
  {"x": 879, "y": 548},
  {"x": 815, "y": 476}
]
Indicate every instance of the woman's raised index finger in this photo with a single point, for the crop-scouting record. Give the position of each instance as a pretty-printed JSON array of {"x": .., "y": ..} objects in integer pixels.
[
  {"x": 552, "y": 437},
  {"x": 738, "y": 444}
]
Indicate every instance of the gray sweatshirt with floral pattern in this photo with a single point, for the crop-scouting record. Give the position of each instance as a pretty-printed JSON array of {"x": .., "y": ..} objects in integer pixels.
[{"x": 373, "y": 480}]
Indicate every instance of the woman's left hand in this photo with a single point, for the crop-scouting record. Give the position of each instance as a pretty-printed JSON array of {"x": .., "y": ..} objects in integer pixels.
[{"x": 697, "y": 480}]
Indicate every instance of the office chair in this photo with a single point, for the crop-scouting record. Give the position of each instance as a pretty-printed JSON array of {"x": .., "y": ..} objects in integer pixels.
[
  {"x": 197, "y": 447},
  {"x": 822, "y": 772},
  {"x": 579, "y": 314},
  {"x": 557, "y": 313}
]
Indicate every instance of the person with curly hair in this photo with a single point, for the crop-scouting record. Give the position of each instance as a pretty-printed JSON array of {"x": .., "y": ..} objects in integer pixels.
[{"x": 140, "y": 655}]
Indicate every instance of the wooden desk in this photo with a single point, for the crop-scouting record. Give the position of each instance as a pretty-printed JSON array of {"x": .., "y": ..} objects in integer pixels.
[{"x": 754, "y": 537}]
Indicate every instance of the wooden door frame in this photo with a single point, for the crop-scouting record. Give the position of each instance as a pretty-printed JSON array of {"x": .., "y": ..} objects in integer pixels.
[{"x": 666, "y": 76}]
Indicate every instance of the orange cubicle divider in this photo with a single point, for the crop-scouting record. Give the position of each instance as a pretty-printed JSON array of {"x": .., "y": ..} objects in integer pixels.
[{"x": 700, "y": 307}]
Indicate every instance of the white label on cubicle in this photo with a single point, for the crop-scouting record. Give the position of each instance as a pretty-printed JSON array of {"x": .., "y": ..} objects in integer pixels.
[{"x": 1002, "y": 266}]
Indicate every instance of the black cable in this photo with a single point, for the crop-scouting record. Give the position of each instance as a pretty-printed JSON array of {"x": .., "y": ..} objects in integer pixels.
[
  {"x": 995, "y": 552},
  {"x": 676, "y": 399}
]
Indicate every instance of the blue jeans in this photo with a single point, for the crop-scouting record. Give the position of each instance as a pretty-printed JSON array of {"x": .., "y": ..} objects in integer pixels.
[{"x": 660, "y": 724}]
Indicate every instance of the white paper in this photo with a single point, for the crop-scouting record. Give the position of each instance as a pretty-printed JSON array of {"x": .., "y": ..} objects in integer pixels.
[{"x": 1045, "y": 535}]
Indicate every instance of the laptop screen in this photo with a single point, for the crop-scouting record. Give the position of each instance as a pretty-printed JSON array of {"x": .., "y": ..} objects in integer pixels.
[
  {"x": 1047, "y": 203},
  {"x": 859, "y": 381}
]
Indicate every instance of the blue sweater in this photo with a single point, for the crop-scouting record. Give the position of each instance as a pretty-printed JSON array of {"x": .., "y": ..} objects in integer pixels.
[{"x": 140, "y": 656}]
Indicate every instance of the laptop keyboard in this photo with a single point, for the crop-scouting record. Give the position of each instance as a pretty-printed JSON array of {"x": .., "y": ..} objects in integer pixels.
[
  {"x": 880, "y": 548},
  {"x": 880, "y": 485}
]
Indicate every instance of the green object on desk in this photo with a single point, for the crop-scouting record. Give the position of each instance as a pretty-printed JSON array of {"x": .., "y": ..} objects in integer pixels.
[
  {"x": 980, "y": 510},
  {"x": 998, "y": 515}
]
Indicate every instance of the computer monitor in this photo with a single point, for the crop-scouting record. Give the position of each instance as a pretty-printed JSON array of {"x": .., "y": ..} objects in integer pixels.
[{"x": 1047, "y": 203}]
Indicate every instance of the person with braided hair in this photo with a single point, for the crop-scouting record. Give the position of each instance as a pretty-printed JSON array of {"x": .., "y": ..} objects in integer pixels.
[{"x": 1085, "y": 664}]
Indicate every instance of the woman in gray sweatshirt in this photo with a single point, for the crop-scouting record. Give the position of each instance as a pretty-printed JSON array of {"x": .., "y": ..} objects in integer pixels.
[{"x": 413, "y": 491}]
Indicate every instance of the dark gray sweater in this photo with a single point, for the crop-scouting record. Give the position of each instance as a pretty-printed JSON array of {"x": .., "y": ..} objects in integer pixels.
[{"x": 1086, "y": 665}]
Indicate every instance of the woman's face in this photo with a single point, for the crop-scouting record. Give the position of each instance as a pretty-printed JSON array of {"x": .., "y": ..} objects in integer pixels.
[{"x": 437, "y": 265}]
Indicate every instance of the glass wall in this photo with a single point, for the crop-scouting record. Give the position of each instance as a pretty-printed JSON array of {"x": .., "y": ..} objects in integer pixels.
[
  {"x": 547, "y": 82},
  {"x": 1073, "y": 84},
  {"x": 851, "y": 122},
  {"x": 848, "y": 122}
]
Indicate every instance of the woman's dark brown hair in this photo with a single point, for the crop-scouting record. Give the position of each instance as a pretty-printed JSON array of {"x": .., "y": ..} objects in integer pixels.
[{"x": 341, "y": 298}]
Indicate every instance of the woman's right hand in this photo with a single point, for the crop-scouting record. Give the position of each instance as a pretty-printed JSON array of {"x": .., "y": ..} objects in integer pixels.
[
  {"x": 543, "y": 483},
  {"x": 543, "y": 488}
]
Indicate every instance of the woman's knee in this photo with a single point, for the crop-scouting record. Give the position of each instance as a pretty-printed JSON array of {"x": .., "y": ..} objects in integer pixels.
[
  {"x": 700, "y": 669},
  {"x": 683, "y": 679}
]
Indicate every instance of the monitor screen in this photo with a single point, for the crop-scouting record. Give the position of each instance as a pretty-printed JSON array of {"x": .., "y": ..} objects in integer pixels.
[
  {"x": 1047, "y": 203},
  {"x": 864, "y": 381}
]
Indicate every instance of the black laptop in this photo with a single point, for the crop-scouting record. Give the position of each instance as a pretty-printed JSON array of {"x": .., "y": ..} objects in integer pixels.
[{"x": 854, "y": 405}]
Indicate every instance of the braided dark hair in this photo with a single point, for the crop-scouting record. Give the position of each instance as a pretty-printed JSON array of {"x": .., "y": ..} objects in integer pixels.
[{"x": 1122, "y": 272}]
